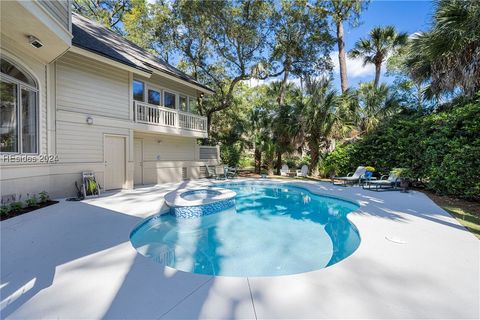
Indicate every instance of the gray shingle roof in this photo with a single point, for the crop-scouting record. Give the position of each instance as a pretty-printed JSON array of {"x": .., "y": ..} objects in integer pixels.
[{"x": 96, "y": 38}]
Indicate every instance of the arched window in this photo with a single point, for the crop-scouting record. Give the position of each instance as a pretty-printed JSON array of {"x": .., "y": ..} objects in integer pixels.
[{"x": 18, "y": 110}]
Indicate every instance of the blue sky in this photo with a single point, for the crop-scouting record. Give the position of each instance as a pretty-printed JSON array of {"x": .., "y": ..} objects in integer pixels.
[{"x": 406, "y": 16}]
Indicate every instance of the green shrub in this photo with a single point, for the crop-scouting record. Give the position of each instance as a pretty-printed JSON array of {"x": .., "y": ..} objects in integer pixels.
[
  {"x": 441, "y": 149},
  {"x": 44, "y": 197},
  {"x": 246, "y": 161},
  {"x": 230, "y": 154},
  {"x": 292, "y": 161},
  {"x": 16, "y": 206},
  {"x": 31, "y": 201},
  {"x": 339, "y": 162},
  {"x": 4, "y": 209},
  {"x": 458, "y": 173}
]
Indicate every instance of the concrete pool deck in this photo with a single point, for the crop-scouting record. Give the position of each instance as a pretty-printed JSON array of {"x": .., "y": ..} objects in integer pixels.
[{"x": 75, "y": 260}]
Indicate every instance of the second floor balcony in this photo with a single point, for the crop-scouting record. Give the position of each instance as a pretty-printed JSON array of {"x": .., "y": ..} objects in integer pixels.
[{"x": 171, "y": 118}]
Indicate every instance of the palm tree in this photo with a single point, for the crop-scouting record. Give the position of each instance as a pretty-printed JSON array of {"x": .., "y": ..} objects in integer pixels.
[
  {"x": 260, "y": 118},
  {"x": 286, "y": 129},
  {"x": 448, "y": 57},
  {"x": 376, "y": 48},
  {"x": 375, "y": 104},
  {"x": 318, "y": 118}
]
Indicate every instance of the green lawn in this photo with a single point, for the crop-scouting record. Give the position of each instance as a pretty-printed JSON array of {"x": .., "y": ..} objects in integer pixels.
[{"x": 468, "y": 219}]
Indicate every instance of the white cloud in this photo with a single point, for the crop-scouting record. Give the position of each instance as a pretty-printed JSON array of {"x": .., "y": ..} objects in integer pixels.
[{"x": 355, "y": 68}]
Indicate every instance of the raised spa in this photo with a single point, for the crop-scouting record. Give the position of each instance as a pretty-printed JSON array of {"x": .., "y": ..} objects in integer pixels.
[
  {"x": 268, "y": 229},
  {"x": 187, "y": 203}
]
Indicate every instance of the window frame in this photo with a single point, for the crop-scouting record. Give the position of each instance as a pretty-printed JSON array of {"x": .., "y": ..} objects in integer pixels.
[
  {"x": 144, "y": 90},
  {"x": 175, "y": 99},
  {"x": 19, "y": 107},
  {"x": 162, "y": 90},
  {"x": 149, "y": 86},
  {"x": 187, "y": 100}
]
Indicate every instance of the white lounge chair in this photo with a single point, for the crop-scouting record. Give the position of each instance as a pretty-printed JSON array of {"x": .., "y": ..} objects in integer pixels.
[
  {"x": 284, "y": 171},
  {"x": 303, "y": 172},
  {"x": 386, "y": 182},
  {"x": 351, "y": 178},
  {"x": 212, "y": 173}
]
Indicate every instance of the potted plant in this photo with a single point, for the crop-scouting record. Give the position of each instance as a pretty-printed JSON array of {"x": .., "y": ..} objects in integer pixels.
[
  {"x": 405, "y": 176},
  {"x": 369, "y": 172}
]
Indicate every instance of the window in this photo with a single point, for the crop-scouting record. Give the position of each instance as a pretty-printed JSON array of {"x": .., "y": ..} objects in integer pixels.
[
  {"x": 193, "y": 105},
  {"x": 169, "y": 100},
  {"x": 18, "y": 110},
  {"x": 138, "y": 90},
  {"x": 29, "y": 121},
  {"x": 183, "y": 104},
  {"x": 154, "y": 97}
]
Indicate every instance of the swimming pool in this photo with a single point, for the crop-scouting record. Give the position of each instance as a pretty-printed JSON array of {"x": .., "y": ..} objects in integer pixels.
[{"x": 273, "y": 229}]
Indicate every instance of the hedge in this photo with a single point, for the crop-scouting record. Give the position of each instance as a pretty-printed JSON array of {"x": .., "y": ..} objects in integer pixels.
[{"x": 442, "y": 149}]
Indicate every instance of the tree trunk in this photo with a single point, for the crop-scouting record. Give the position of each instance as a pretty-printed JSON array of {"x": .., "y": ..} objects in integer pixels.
[
  {"x": 419, "y": 97},
  {"x": 279, "y": 162},
  {"x": 378, "y": 70},
  {"x": 283, "y": 87},
  {"x": 314, "y": 157},
  {"x": 258, "y": 159},
  {"x": 269, "y": 166},
  {"x": 341, "y": 56}
]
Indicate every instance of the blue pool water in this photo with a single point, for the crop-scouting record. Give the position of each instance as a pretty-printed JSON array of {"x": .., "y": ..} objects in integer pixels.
[{"x": 273, "y": 229}]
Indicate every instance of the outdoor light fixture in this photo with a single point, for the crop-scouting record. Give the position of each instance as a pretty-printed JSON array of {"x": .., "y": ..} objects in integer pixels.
[
  {"x": 35, "y": 42},
  {"x": 89, "y": 120}
]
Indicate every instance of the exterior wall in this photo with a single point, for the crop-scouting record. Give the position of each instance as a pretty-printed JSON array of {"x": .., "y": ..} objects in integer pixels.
[
  {"x": 87, "y": 86},
  {"x": 27, "y": 177},
  {"x": 74, "y": 88},
  {"x": 77, "y": 88},
  {"x": 165, "y": 156},
  {"x": 59, "y": 10}
]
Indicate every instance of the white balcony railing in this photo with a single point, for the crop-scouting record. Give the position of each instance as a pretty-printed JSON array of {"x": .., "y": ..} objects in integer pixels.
[{"x": 161, "y": 116}]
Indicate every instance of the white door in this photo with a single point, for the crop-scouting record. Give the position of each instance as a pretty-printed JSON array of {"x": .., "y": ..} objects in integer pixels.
[
  {"x": 138, "y": 163},
  {"x": 114, "y": 162}
]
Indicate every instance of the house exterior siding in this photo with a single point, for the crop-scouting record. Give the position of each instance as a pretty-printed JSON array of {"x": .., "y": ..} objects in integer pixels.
[
  {"x": 76, "y": 87},
  {"x": 87, "y": 86}
]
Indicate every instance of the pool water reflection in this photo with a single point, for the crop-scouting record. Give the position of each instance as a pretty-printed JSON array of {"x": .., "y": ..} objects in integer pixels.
[{"x": 274, "y": 229}]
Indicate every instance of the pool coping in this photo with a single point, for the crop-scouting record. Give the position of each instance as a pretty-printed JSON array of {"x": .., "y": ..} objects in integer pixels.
[{"x": 174, "y": 198}]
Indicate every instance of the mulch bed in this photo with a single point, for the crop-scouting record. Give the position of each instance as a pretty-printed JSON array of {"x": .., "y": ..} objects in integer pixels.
[{"x": 26, "y": 210}]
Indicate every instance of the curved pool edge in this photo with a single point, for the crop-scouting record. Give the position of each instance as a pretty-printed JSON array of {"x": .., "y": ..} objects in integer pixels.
[
  {"x": 308, "y": 187},
  {"x": 305, "y": 186}
]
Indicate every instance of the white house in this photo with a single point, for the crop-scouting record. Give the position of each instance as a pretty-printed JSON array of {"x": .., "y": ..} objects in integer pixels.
[{"x": 77, "y": 97}]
